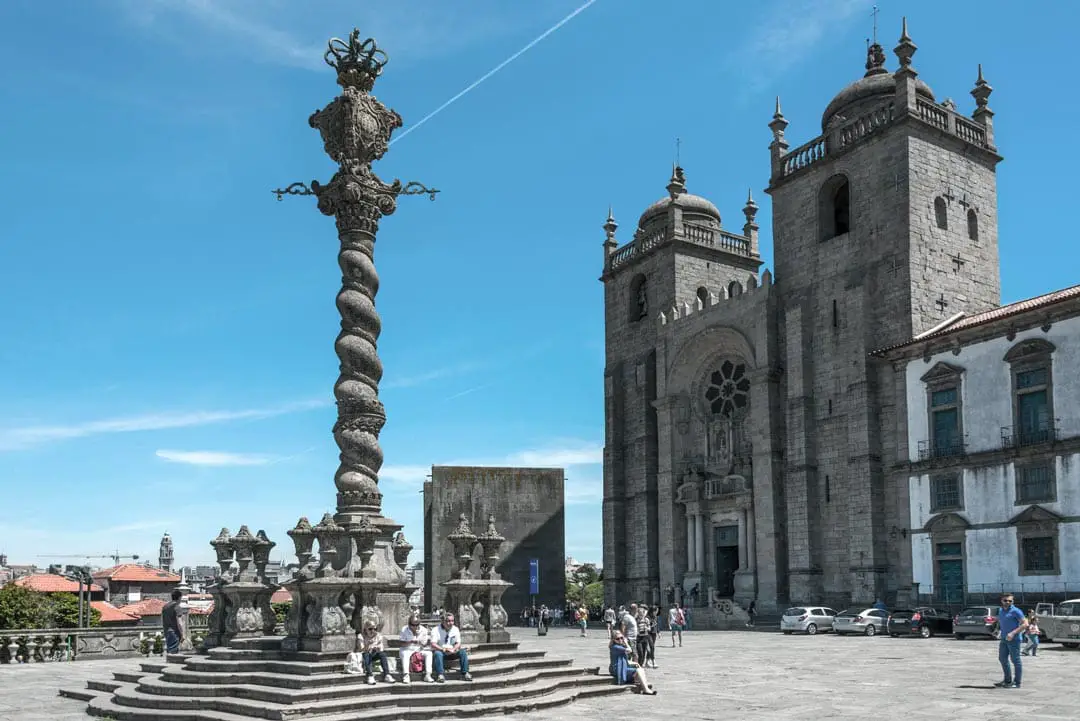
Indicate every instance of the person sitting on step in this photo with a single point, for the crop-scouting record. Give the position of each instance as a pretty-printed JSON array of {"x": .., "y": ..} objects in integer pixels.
[
  {"x": 417, "y": 640},
  {"x": 447, "y": 646},
  {"x": 622, "y": 668},
  {"x": 371, "y": 645}
]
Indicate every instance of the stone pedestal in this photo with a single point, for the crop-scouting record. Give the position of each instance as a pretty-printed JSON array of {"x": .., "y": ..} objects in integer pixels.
[
  {"x": 477, "y": 605},
  {"x": 745, "y": 587},
  {"x": 241, "y": 593}
]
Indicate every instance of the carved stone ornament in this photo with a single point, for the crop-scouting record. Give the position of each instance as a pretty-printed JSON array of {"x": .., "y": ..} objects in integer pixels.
[
  {"x": 365, "y": 534},
  {"x": 223, "y": 547},
  {"x": 490, "y": 543},
  {"x": 401, "y": 550},
  {"x": 303, "y": 539},
  {"x": 263, "y": 546},
  {"x": 463, "y": 540},
  {"x": 244, "y": 543},
  {"x": 328, "y": 533}
]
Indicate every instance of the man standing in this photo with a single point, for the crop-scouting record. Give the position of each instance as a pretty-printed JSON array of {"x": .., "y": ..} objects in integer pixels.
[
  {"x": 676, "y": 622},
  {"x": 1011, "y": 624},
  {"x": 629, "y": 627},
  {"x": 447, "y": 645},
  {"x": 171, "y": 623},
  {"x": 609, "y": 620}
]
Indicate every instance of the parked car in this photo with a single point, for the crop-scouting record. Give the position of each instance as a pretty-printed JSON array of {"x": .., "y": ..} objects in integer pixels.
[
  {"x": 1063, "y": 625},
  {"x": 807, "y": 619},
  {"x": 867, "y": 621},
  {"x": 976, "y": 621},
  {"x": 923, "y": 621}
]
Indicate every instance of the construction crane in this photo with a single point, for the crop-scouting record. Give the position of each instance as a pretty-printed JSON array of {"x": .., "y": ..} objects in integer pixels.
[{"x": 116, "y": 557}]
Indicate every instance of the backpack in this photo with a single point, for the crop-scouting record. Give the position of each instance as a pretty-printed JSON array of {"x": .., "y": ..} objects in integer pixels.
[{"x": 416, "y": 662}]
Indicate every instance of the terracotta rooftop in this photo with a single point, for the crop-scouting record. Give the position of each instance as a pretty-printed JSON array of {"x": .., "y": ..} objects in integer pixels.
[
  {"x": 145, "y": 607},
  {"x": 970, "y": 321},
  {"x": 51, "y": 583},
  {"x": 112, "y": 614},
  {"x": 134, "y": 573},
  {"x": 281, "y": 596}
]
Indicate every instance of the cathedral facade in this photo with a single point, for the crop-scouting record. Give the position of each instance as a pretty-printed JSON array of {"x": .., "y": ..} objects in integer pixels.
[{"x": 750, "y": 434}]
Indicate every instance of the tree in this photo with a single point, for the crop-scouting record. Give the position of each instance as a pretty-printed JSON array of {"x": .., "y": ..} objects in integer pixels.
[
  {"x": 62, "y": 611},
  {"x": 586, "y": 573},
  {"x": 20, "y": 608}
]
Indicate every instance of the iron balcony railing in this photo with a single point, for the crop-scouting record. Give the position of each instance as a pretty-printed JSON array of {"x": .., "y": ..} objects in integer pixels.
[
  {"x": 929, "y": 450},
  {"x": 1019, "y": 437}
]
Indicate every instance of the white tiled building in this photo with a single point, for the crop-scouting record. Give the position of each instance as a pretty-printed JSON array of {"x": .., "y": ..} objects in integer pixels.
[{"x": 993, "y": 449}]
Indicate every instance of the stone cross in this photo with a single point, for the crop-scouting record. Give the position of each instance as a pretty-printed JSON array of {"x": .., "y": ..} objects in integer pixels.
[
  {"x": 941, "y": 303},
  {"x": 894, "y": 265},
  {"x": 958, "y": 262}
]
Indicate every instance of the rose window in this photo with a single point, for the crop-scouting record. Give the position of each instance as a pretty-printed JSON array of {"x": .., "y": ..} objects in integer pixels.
[{"x": 728, "y": 389}]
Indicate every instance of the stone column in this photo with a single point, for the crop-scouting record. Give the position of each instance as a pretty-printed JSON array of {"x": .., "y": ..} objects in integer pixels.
[
  {"x": 691, "y": 554},
  {"x": 666, "y": 509},
  {"x": 742, "y": 540},
  {"x": 699, "y": 541},
  {"x": 751, "y": 541}
]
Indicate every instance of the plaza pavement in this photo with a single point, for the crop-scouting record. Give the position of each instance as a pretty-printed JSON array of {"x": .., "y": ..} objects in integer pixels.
[{"x": 727, "y": 675}]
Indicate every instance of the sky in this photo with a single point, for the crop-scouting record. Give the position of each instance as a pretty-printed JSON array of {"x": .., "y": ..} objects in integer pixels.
[{"x": 166, "y": 343}]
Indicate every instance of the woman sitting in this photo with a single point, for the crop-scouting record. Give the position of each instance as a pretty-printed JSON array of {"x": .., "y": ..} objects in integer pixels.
[{"x": 623, "y": 669}]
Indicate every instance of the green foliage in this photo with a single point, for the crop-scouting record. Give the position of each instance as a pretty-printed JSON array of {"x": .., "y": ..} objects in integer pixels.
[
  {"x": 21, "y": 608},
  {"x": 281, "y": 610},
  {"x": 593, "y": 593},
  {"x": 159, "y": 644},
  {"x": 586, "y": 573}
]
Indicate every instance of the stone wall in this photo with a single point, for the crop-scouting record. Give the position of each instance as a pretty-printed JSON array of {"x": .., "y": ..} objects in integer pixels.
[
  {"x": 71, "y": 644},
  {"x": 529, "y": 510}
]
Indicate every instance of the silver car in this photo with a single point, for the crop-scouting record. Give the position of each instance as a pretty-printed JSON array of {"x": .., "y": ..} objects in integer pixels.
[
  {"x": 807, "y": 619},
  {"x": 866, "y": 621}
]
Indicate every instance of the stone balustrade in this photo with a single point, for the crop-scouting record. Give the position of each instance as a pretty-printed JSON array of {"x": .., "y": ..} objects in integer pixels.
[{"x": 77, "y": 644}]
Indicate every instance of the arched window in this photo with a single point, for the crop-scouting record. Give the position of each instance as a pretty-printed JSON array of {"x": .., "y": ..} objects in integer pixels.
[
  {"x": 973, "y": 225},
  {"x": 639, "y": 298},
  {"x": 734, "y": 289},
  {"x": 702, "y": 298},
  {"x": 834, "y": 213},
  {"x": 940, "y": 215}
]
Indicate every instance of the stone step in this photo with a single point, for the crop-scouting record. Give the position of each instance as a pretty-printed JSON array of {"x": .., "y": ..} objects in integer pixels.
[
  {"x": 429, "y": 696},
  {"x": 79, "y": 694},
  {"x": 129, "y": 676},
  {"x": 107, "y": 707},
  {"x": 355, "y": 685},
  {"x": 301, "y": 668},
  {"x": 185, "y": 676},
  {"x": 243, "y": 649},
  {"x": 104, "y": 686},
  {"x": 153, "y": 666}
]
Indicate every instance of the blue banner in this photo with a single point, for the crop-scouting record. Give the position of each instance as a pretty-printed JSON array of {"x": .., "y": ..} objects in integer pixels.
[{"x": 534, "y": 576}]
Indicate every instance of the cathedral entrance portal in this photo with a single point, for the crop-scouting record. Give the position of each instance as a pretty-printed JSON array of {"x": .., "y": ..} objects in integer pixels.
[{"x": 727, "y": 559}]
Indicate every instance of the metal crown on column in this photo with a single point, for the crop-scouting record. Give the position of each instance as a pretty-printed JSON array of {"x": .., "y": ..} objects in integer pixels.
[{"x": 359, "y": 573}]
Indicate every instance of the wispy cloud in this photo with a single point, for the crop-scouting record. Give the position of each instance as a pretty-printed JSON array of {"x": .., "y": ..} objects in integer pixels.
[
  {"x": 566, "y": 455},
  {"x": 19, "y": 438},
  {"x": 418, "y": 379},
  {"x": 215, "y": 458},
  {"x": 786, "y": 32},
  {"x": 467, "y": 391},
  {"x": 152, "y": 525}
]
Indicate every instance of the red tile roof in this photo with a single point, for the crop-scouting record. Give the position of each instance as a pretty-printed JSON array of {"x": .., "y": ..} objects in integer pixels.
[
  {"x": 51, "y": 583},
  {"x": 281, "y": 596},
  {"x": 134, "y": 573},
  {"x": 112, "y": 614},
  {"x": 1005, "y": 311},
  {"x": 145, "y": 607}
]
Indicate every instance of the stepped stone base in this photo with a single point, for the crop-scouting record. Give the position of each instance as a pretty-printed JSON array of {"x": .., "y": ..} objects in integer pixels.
[{"x": 254, "y": 679}]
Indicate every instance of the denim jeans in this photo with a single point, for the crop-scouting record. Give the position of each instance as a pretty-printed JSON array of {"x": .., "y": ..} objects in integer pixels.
[
  {"x": 381, "y": 655},
  {"x": 1010, "y": 651},
  {"x": 461, "y": 655},
  {"x": 172, "y": 641}
]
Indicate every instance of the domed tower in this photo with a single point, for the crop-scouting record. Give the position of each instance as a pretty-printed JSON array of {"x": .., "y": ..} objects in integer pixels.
[
  {"x": 165, "y": 553},
  {"x": 679, "y": 247},
  {"x": 885, "y": 226}
]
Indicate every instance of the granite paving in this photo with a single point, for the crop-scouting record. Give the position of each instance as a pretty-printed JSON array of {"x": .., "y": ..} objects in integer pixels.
[{"x": 727, "y": 674}]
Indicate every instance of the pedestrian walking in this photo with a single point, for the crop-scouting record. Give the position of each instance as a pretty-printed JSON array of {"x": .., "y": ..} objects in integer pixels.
[
  {"x": 1032, "y": 634},
  {"x": 609, "y": 620},
  {"x": 1011, "y": 624},
  {"x": 676, "y": 622},
  {"x": 170, "y": 622},
  {"x": 751, "y": 612}
]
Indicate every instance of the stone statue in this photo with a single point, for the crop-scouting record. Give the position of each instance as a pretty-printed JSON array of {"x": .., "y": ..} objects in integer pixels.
[{"x": 642, "y": 301}]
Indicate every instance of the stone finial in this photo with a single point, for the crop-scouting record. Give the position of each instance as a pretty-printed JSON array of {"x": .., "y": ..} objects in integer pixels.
[
  {"x": 464, "y": 541},
  {"x": 365, "y": 533},
  {"x": 905, "y": 48},
  {"x": 223, "y": 547},
  {"x": 401, "y": 549},
  {"x": 610, "y": 226},
  {"x": 751, "y": 208},
  {"x": 875, "y": 59},
  {"x": 327, "y": 532},
  {"x": 303, "y": 538},
  {"x": 982, "y": 91},
  {"x": 463, "y": 527},
  {"x": 263, "y": 546},
  {"x": 677, "y": 185},
  {"x": 778, "y": 123}
]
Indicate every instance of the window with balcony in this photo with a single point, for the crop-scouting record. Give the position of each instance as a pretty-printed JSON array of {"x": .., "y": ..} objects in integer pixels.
[
  {"x": 1035, "y": 483},
  {"x": 946, "y": 493},
  {"x": 944, "y": 402},
  {"x": 1032, "y": 387}
]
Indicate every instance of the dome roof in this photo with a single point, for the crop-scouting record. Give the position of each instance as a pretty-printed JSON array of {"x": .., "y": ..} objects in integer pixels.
[
  {"x": 878, "y": 84},
  {"x": 678, "y": 196}
]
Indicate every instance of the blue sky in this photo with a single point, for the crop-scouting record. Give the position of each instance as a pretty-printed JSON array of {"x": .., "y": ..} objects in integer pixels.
[{"x": 166, "y": 348}]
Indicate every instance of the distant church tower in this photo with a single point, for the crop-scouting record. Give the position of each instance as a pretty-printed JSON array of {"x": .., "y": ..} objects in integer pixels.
[
  {"x": 165, "y": 553},
  {"x": 884, "y": 227}
]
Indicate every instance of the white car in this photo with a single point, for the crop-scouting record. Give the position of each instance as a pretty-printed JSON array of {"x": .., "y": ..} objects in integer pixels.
[
  {"x": 807, "y": 619},
  {"x": 866, "y": 621}
]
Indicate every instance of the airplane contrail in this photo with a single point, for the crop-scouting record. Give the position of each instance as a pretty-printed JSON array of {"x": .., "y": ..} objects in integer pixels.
[{"x": 497, "y": 68}]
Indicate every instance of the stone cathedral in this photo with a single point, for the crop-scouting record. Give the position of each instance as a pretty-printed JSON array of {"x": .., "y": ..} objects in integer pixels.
[{"x": 750, "y": 438}]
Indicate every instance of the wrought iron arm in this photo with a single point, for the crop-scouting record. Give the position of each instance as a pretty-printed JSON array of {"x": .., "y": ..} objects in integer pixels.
[
  {"x": 294, "y": 189},
  {"x": 417, "y": 188}
]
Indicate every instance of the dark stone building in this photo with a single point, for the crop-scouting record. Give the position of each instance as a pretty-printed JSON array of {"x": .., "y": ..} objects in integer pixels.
[{"x": 528, "y": 505}]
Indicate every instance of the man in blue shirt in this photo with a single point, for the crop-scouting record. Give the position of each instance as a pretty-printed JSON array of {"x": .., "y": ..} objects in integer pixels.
[{"x": 1011, "y": 624}]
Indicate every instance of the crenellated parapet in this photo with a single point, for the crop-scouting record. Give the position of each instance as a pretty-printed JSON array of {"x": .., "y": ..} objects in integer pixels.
[{"x": 720, "y": 300}]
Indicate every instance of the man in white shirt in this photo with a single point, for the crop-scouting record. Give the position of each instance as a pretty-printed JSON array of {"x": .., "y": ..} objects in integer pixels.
[
  {"x": 629, "y": 625},
  {"x": 447, "y": 645},
  {"x": 609, "y": 620},
  {"x": 417, "y": 639}
]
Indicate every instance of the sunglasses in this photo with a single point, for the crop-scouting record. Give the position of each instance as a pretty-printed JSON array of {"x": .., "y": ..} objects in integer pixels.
[{"x": 1006, "y": 600}]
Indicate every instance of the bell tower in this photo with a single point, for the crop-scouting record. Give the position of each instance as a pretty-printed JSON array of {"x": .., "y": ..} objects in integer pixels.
[{"x": 885, "y": 226}]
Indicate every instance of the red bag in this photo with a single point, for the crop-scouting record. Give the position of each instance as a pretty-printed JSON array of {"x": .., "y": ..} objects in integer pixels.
[{"x": 416, "y": 662}]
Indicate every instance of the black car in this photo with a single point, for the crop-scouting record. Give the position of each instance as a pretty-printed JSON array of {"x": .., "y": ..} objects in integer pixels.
[
  {"x": 976, "y": 621},
  {"x": 923, "y": 621}
]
